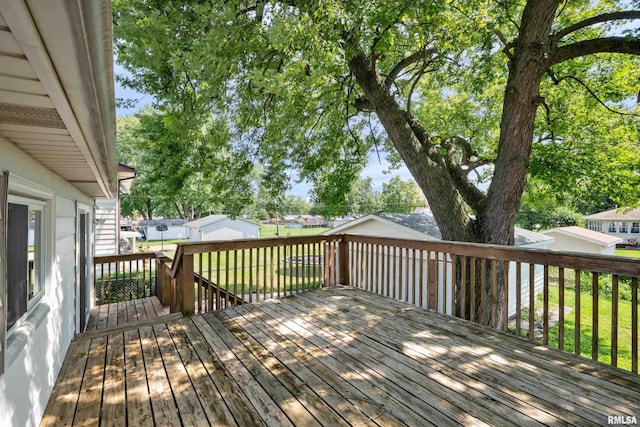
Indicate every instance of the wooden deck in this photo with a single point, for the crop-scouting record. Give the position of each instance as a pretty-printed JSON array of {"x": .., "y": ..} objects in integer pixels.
[
  {"x": 125, "y": 312},
  {"x": 330, "y": 357}
]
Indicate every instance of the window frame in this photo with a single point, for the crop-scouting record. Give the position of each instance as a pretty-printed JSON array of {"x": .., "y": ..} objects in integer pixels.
[
  {"x": 611, "y": 227},
  {"x": 623, "y": 227},
  {"x": 39, "y": 205}
]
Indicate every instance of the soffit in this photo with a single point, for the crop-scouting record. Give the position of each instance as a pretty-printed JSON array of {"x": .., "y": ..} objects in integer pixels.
[{"x": 38, "y": 112}]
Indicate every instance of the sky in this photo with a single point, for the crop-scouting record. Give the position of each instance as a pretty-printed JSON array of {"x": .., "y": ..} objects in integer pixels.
[{"x": 375, "y": 167}]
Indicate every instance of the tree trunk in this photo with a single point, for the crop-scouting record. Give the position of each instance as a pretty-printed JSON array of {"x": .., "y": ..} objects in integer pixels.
[{"x": 447, "y": 205}]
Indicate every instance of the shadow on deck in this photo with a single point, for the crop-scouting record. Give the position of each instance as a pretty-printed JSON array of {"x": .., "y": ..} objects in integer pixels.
[{"x": 336, "y": 356}]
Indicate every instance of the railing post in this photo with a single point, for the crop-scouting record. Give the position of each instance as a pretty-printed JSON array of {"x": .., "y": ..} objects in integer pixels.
[
  {"x": 159, "y": 278},
  {"x": 343, "y": 265},
  {"x": 187, "y": 286}
]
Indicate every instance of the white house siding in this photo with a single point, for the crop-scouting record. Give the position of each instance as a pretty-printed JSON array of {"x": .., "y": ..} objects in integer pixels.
[
  {"x": 35, "y": 351},
  {"x": 570, "y": 244},
  {"x": 106, "y": 226},
  {"x": 226, "y": 229},
  {"x": 173, "y": 232}
]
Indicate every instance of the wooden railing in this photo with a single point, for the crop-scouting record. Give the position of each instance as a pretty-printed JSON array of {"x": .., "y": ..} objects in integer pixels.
[
  {"x": 211, "y": 276},
  {"x": 124, "y": 277},
  {"x": 585, "y": 304}
]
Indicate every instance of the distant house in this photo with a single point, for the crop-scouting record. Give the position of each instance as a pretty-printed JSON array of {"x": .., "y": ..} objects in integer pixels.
[
  {"x": 623, "y": 223},
  {"x": 422, "y": 226},
  {"x": 578, "y": 239},
  {"x": 175, "y": 228},
  {"x": 222, "y": 227}
]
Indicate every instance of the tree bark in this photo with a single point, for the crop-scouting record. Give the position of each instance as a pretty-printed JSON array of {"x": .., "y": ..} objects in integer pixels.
[{"x": 415, "y": 148}]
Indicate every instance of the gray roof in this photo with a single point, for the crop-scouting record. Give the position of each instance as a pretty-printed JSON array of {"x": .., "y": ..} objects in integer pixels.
[
  {"x": 422, "y": 222},
  {"x": 425, "y": 223},
  {"x": 617, "y": 214}
]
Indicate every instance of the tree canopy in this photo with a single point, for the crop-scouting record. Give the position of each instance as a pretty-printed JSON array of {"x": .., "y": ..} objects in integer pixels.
[{"x": 467, "y": 95}]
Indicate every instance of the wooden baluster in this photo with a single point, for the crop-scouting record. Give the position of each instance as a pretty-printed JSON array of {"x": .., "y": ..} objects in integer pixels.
[
  {"x": 532, "y": 301},
  {"x": 634, "y": 324},
  {"x": 505, "y": 295},
  {"x": 518, "y": 298},
  {"x": 271, "y": 272},
  {"x": 218, "y": 282},
  {"x": 545, "y": 307},
  {"x": 577, "y": 314},
  {"x": 483, "y": 290},
  {"x": 242, "y": 284},
  {"x": 561, "y": 308},
  {"x": 227, "y": 266},
  {"x": 210, "y": 296},
  {"x": 472, "y": 290},
  {"x": 421, "y": 280},
  {"x": 494, "y": 293},
  {"x": 594, "y": 316},
  {"x": 188, "y": 297},
  {"x": 614, "y": 320},
  {"x": 454, "y": 278},
  {"x": 235, "y": 277},
  {"x": 463, "y": 287},
  {"x": 251, "y": 284},
  {"x": 199, "y": 294}
]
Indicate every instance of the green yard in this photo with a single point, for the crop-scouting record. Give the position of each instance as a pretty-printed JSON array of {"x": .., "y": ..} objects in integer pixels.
[
  {"x": 269, "y": 230},
  {"x": 632, "y": 253},
  {"x": 605, "y": 314}
]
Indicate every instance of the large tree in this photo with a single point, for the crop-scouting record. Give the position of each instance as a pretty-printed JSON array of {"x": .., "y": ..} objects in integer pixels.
[{"x": 452, "y": 88}]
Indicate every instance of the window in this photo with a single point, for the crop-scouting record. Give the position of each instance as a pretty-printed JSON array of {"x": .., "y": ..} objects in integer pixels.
[
  {"x": 635, "y": 227},
  {"x": 612, "y": 227},
  {"x": 595, "y": 226},
  {"x": 623, "y": 227},
  {"x": 25, "y": 256}
]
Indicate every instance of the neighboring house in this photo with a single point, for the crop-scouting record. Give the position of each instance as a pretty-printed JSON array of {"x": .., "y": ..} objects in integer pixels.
[
  {"x": 176, "y": 228},
  {"x": 622, "y": 222},
  {"x": 222, "y": 227},
  {"x": 109, "y": 240},
  {"x": 57, "y": 139},
  {"x": 422, "y": 226},
  {"x": 578, "y": 239}
]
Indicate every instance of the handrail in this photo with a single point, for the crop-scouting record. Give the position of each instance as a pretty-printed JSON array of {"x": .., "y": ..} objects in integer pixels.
[
  {"x": 583, "y": 261},
  {"x": 506, "y": 288}
]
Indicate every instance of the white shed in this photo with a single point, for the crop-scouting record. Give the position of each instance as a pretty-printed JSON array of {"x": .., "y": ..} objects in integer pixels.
[
  {"x": 222, "y": 227},
  {"x": 578, "y": 239}
]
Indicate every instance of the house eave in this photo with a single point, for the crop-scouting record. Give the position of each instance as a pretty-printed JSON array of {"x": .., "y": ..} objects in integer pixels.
[{"x": 68, "y": 45}]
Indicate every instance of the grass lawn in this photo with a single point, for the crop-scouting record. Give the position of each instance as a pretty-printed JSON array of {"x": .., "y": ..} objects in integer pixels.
[
  {"x": 633, "y": 253},
  {"x": 268, "y": 230},
  {"x": 269, "y": 271},
  {"x": 604, "y": 325}
]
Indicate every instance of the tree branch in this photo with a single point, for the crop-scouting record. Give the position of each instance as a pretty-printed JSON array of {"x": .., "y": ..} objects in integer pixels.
[
  {"x": 469, "y": 192},
  {"x": 605, "y": 17},
  {"x": 588, "y": 47},
  {"x": 593, "y": 94},
  {"x": 423, "y": 53}
]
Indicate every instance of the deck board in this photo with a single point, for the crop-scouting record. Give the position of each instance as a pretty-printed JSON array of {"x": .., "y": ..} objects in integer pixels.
[
  {"x": 108, "y": 316},
  {"x": 327, "y": 357}
]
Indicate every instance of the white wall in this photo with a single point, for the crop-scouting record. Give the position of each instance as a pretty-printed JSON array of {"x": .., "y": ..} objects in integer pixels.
[
  {"x": 173, "y": 232},
  {"x": 35, "y": 350},
  {"x": 226, "y": 229},
  {"x": 563, "y": 242},
  {"x": 106, "y": 226}
]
